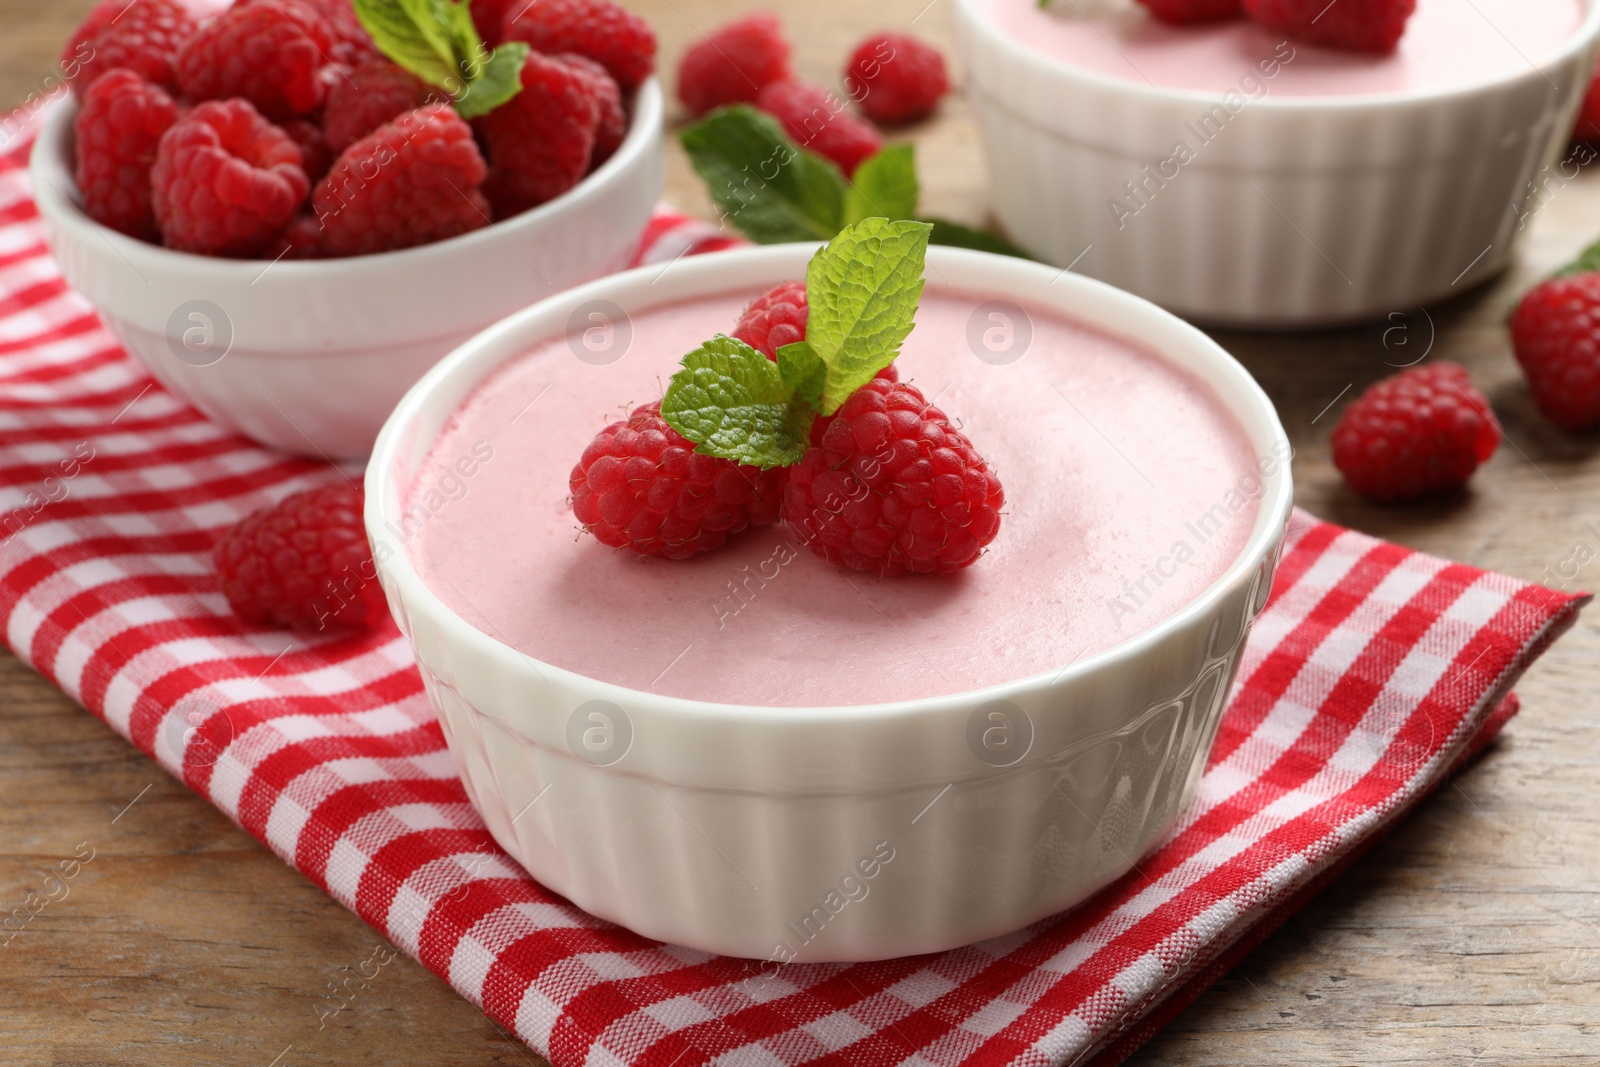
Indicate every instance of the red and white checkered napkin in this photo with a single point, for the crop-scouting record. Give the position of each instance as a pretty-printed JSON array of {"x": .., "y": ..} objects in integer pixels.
[{"x": 1372, "y": 672}]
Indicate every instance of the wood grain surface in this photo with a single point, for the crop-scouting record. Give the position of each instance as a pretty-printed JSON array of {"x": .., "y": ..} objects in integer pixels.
[{"x": 1470, "y": 936}]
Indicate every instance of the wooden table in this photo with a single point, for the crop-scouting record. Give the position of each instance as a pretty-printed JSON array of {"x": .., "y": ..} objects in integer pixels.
[{"x": 1471, "y": 936}]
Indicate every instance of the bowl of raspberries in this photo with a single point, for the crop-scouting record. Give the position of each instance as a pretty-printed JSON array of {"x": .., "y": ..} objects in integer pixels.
[{"x": 288, "y": 210}]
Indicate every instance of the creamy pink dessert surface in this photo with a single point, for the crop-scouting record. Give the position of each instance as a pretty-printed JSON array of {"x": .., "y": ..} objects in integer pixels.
[
  {"x": 1447, "y": 43},
  {"x": 1129, "y": 490}
]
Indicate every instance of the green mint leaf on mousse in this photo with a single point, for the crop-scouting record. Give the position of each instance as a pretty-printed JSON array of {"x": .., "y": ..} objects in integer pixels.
[
  {"x": 733, "y": 402},
  {"x": 862, "y": 288},
  {"x": 436, "y": 41},
  {"x": 885, "y": 184},
  {"x": 767, "y": 186}
]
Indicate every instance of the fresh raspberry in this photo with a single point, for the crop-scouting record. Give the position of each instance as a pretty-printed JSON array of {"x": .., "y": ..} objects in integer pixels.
[
  {"x": 143, "y": 36},
  {"x": 816, "y": 119},
  {"x": 1555, "y": 333},
  {"x": 489, "y": 16},
  {"x": 1184, "y": 12},
  {"x": 1587, "y": 126},
  {"x": 774, "y": 319},
  {"x": 302, "y": 240},
  {"x": 1421, "y": 431},
  {"x": 351, "y": 44},
  {"x": 315, "y": 154},
  {"x": 606, "y": 32},
  {"x": 270, "y": 53},
  {"x": 889, "y": 486},
  {"x": 303, "y": 564},
  {"x": 369, "y": 96},
  {"x": 119, "y": 126},
  {"x": 608, "y": 95},
  {"x": 734, "y": 63},
  {"x": 226, "y": 181},
  {"x": 411, "y": 181},
  {"x": 641, "y": 486},
  {"x": 1356, "y": 25},
  {"x": 540, "y": 140},
  {"x": 894, "y": 77}
]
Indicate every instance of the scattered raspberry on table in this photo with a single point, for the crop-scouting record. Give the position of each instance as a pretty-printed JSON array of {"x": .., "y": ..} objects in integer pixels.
[
  {"x": 303, "y": 564},
  {"x": 894, "y": 77},
  {"x": 641, "y": 486},
  {"x": 891, "y": 487},
  {"x": 733, "y": 63},
  {"x": 818, "y": 120},
  {"x": 1555, "y": 332},
  {"x": 1422, "y": 431}
]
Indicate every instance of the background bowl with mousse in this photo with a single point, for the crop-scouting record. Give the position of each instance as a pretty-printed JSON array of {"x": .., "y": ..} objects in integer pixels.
[{"x": 1237, "y": 176}]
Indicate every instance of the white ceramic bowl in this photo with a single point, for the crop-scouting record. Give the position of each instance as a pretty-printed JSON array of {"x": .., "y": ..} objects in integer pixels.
[
  {"x": 1306, "y": 211},
  {"x": 310, "y": 357},
  {"x": 726, "y": 828}
]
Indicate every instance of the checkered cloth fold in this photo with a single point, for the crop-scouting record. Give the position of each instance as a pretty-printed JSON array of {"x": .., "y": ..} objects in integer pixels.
[{"x": 1373, "y": 671}]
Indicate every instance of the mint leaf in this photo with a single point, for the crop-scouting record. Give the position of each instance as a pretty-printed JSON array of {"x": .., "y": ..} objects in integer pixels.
[
  {"x": 499, "y": 80},
  {"x": 863, "y": 290},
  {"x": 769, "y": 188},
  {"x": 1588, "y": 260},
  {"x": 802, "y": 371},
  {"x": 406, "y": 32},
  {"x": 955, "y": 235},
  {"x": 885, "y": 184},
  {"x": 734, "y": 403}
]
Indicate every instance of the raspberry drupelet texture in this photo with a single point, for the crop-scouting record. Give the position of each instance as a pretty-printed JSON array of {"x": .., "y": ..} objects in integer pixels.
[
  {"x": 1424, "y": 430},
  {"x": 1555, "y": 332},
  {"x": 409, "y": 182},
  {"x": 351, "y": 45},
  {"x": 734, "y": 63},
  {"x": 613, "y": 126},
  {"x": 144, "y": 37},
  {"x": 489, "y": 16},
  {"x": 315, "y": 154},
  {"x": 890, "y": 487},
  {"x": 606, "y": 32},
  {"x": 817, "y": 119},
  {"x": 367, "y": 97},
  {"x": 540, "y": 140},
  {"x": 778, "y": 317},
  {"x": 1355, "y": 25},
  {"x": 774, "y": 319},
  {"x": 1184, "y": 12},
  {"x": 270, "y": 53},
  {"x": 895, "y": 77},
  {"x": 303, "y": 564},
  {"x": 641, "y": 486},
  {"x": 226, "y": 182},
  {"x": 119, "y": 126}
]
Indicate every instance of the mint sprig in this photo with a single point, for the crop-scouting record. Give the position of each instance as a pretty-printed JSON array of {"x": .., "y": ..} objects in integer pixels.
[
  {"x": 437, "y": 41},
  {"x": 862, "y": 289},
  {"x": 1588, "y": 261},
  {"x": 773, "y": 191}
]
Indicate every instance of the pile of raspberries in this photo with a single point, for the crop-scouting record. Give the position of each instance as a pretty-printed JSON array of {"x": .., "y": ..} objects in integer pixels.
[
  {"x": 892, "y": 78},
  {"x": 277, "y": 129}
]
